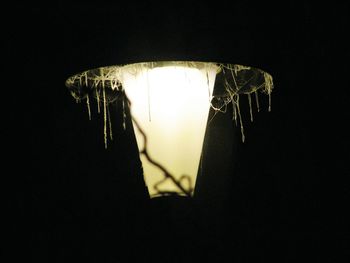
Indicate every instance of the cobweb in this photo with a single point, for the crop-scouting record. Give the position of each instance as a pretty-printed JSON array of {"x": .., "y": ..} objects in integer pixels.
[{"x": 232, "y": 82}]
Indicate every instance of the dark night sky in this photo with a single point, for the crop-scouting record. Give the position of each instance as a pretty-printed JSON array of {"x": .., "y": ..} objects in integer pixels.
[{"x": 282, "y": 195}]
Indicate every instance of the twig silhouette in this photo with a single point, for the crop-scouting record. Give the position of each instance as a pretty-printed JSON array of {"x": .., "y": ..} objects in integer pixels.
[{"x": 166, "y": 173}]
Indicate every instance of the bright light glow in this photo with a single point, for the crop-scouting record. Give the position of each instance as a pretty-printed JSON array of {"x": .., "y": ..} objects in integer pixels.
[{"x": 171, "y": 104}]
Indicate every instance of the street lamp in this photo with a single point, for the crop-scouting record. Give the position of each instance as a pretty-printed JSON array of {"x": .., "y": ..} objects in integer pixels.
[{"x": 169, "y": 103}]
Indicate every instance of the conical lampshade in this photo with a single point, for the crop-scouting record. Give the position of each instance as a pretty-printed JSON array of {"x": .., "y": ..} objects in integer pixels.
[{"x": 170, "y": 102}]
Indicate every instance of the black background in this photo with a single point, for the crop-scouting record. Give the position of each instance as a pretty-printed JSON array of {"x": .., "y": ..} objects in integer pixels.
[{"x": 282, "y": 195}]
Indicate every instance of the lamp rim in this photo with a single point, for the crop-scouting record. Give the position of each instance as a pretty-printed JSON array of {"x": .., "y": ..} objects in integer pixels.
[{"x": 163, "y": 63}]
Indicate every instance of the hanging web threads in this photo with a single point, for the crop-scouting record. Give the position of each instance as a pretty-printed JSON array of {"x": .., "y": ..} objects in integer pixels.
[
  {"x": 124, "y": 114},
  {"x": 250, "y": 107},
  {"x": 148, "y": 99},
  {"x": 234, "y": 79},
  {"x": 98, "y": 100},
  {"x": 104, "y": 116},
  {"x": 234, "y": 108},
  {"x": 257, "y": 100},
  {"x": 208, "y": 84},
  {"x": 234, "y": 117},
  {"x": 240, "y": 119},
  {"x": 86, "y": 79},
  {"x": 88, "y": 106},
  {"x": 104, "y": 110},
  {"x": 109, "y": 123},
  {"x": 268, "y": 86}
]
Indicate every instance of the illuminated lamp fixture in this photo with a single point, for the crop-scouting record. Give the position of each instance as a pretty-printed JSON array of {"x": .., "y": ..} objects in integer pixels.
[{"x": 169, "y": 103}]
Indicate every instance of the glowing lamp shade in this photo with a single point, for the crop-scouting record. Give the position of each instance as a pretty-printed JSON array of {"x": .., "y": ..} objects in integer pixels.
[{"x": 170, "y": 103}]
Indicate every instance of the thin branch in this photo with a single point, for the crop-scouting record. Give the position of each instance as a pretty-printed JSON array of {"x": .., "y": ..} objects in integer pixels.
[{"x": 166, "y": 173}]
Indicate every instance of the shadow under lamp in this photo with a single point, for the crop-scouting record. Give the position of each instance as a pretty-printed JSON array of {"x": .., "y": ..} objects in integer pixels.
[{"x": 170, "y": 103}]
